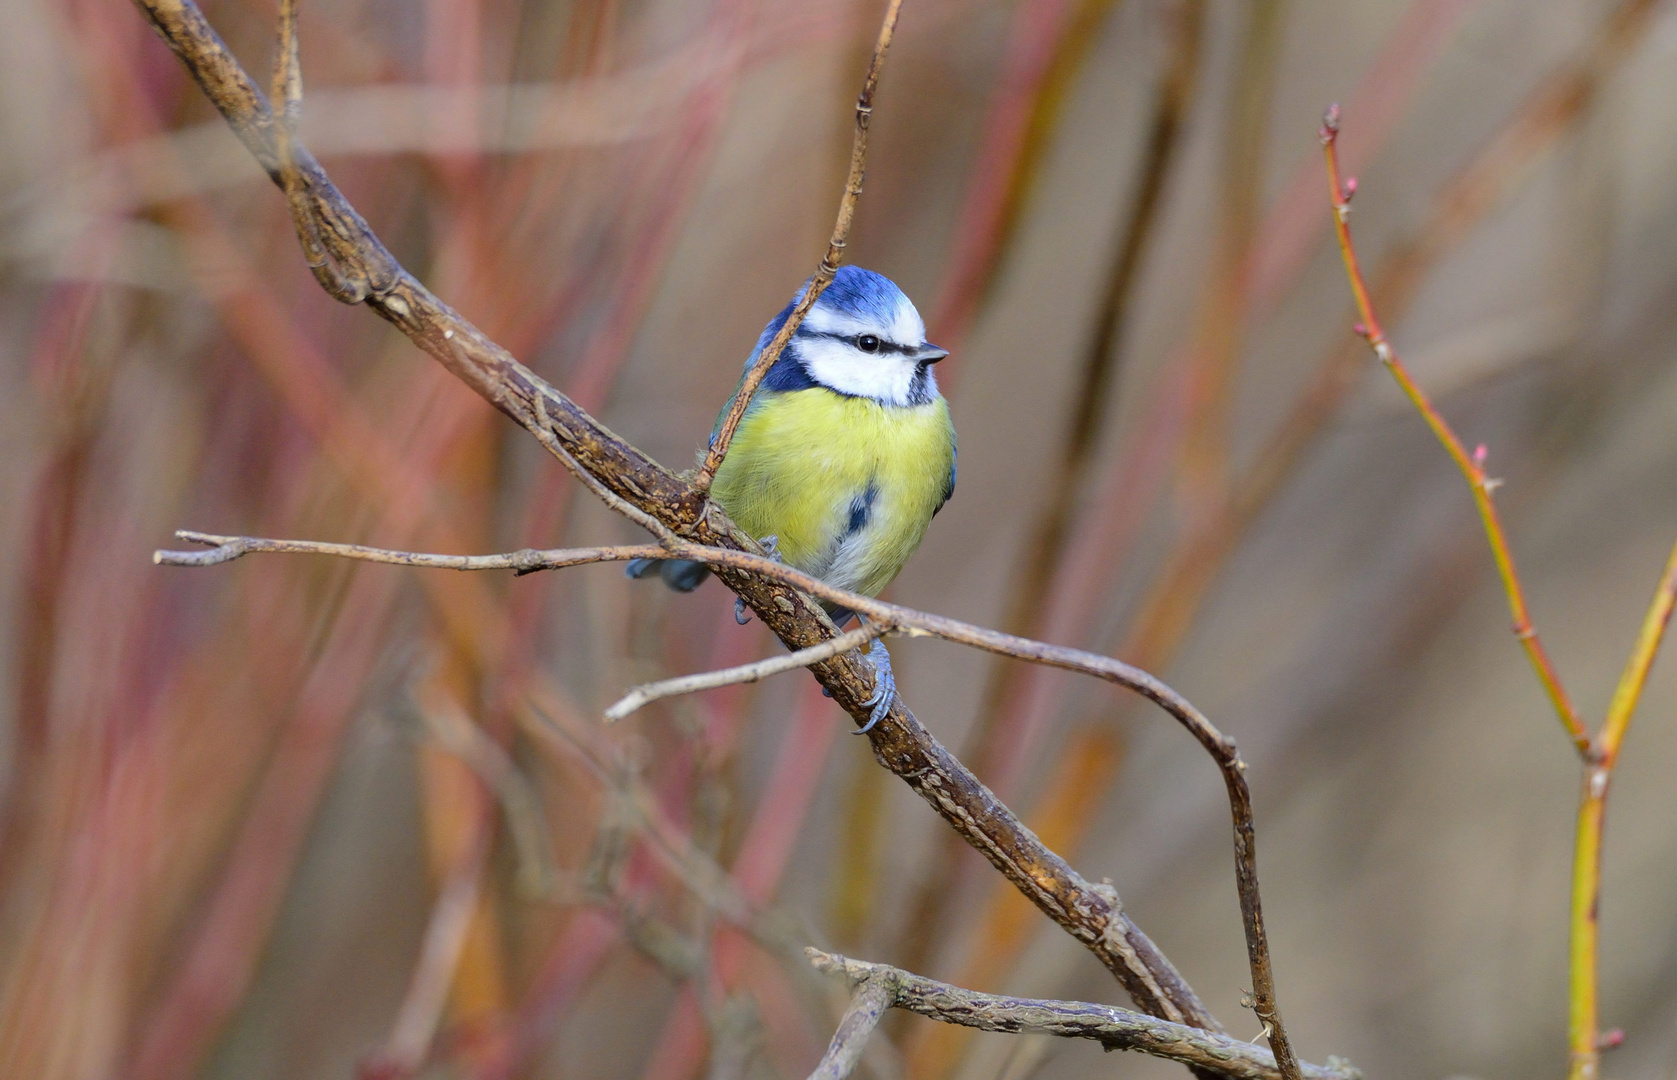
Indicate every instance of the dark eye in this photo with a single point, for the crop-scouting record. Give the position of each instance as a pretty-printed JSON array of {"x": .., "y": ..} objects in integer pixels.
[{"x": 868, "y": 343}]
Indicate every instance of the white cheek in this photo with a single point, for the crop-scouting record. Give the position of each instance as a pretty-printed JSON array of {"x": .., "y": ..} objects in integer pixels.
[{"x": 888, "y": 376}]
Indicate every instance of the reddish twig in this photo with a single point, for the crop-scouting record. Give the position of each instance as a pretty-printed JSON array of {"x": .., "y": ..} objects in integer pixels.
[{"x": 1471, "y": 465}]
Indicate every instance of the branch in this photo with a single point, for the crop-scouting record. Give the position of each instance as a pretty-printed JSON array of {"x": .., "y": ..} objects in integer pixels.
[
  {"x": 646, "y": 694},
  {"x": 1584, "y": 1038},
  {"x": 680, "y": 513},
  {"x": 1113, "y": 1028},
  {"x": 875, "y": 992},
  {"x": 1599, "y": 754},
  {"x": 834, "y": 256},
  {"x": 894, "y": 616},
  {"x": 1635, "y": 675},
  {"x": 889, "y": 615},
  {"x": 1472, "y": 467}
]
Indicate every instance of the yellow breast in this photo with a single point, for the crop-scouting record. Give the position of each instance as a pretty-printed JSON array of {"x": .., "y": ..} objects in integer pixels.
[{"x": 846, "y": 484}]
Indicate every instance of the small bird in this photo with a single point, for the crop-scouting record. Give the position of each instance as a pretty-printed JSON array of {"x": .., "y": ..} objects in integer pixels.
[{"x": 845, "y": 453}]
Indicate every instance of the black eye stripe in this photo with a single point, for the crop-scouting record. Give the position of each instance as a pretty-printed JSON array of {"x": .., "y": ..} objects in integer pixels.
[{"x": 855, "y": 339}]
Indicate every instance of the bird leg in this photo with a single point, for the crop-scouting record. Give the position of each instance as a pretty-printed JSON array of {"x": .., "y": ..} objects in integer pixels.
[{"x": 884, "y": 687}]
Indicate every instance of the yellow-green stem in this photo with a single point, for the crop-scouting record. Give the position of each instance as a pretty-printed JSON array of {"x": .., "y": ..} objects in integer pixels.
[
  {"x": 1583, "y": 1025},
  {"x": 1601, "y": 753},
  {"x": 1584, "y": 1032}
]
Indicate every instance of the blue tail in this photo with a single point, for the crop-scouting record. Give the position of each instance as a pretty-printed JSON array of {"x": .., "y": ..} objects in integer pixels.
[{"x": 682, "y": 575}]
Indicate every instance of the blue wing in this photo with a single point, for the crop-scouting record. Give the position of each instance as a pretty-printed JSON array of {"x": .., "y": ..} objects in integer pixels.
[{"x": 949, "y": 485}]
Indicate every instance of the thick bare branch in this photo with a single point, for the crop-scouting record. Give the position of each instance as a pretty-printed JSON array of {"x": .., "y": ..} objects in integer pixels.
[{"x": 1112, "y": 1027}]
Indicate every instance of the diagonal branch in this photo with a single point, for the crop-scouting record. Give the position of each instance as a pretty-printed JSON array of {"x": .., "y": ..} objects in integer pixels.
[
  {"x": 679, "y": 512},
  {"x": 1113, "y": 1028},
  {"x": 875, "y": 993},
  {"x": 1472, "y": 466},
  {"x": 824, "y": 273}
]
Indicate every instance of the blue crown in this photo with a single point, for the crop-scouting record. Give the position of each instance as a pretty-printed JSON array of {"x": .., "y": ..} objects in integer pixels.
[{"x": 859, "y": 293}]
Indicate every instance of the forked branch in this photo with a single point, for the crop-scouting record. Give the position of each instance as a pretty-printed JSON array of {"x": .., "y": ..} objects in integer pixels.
[
  {"x": 1601, "y": 753},
  {"x": 1113, "y": 1028}
]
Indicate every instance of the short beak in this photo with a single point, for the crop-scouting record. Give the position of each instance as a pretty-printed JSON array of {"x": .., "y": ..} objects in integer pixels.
[{"x": 930, "y": 354}]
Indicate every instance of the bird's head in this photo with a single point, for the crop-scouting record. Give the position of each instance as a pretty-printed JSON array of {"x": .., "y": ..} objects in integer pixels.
[{"x": 862, "y": 338}]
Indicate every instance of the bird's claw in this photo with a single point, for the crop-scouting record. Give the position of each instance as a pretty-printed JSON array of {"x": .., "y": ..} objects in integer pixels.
[
  {"x": 771, "y": 548},
  {"x": 884, "y": 687}
]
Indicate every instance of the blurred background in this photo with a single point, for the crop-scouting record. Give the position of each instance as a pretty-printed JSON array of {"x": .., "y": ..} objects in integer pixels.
[{"x": 294, "y": 817}]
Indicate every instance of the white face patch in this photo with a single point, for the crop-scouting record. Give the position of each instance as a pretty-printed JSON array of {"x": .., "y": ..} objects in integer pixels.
[
  {"x": 885, "y": 376},
  {"x": 889, "y": 375}
]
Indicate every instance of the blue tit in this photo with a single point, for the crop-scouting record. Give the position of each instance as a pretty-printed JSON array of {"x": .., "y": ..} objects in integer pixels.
[{"x": 845, "y": 453}]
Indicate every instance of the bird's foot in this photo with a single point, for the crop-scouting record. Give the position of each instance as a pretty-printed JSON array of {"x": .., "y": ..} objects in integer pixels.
[
  {"x": 771, "y": 548},
  {"x": 884, "y": 686}
]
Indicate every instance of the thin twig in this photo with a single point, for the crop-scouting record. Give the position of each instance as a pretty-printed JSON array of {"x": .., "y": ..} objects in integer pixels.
[
  {"x": 647, "y": 693},
  {"x": 227, "y": 548},
  {"x": 830, "y": 261},
  {"x": 1471, "y": 466},
  {"x": 1112, "y": 1027},
  {"x": 875, "y": 994},
  {"x": 895, "y": 616},
  {"x": 1629, "y": 690}
]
